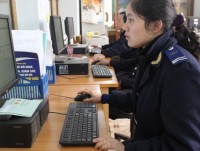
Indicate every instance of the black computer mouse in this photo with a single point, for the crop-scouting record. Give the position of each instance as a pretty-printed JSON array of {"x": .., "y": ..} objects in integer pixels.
[
  {"x": 81, "y": 97},
  {"x": 95, "y": 62}
]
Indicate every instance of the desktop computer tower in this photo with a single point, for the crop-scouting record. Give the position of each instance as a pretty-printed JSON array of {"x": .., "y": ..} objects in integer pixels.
[
  {"x": 21, "y": 132},
  {"x": 80, "y": 48},
  {"x": 73, "y": 66}
]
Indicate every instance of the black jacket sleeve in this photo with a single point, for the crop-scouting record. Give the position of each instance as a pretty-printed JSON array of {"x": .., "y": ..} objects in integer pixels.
[
  {"x": 122, "y": 100},
  {"x": 114, "y": 49},
  {"x": 127, "y": 60},
  {"x": 127, "y": 83},
  {"x": 123, "y": 65}
]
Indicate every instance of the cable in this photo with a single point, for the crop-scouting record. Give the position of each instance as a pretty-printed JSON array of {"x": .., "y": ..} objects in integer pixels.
[
  {"x": 61, "y": 96},
  {"x": 74, "y": 77},
  {"x": 57, "y": 113}
]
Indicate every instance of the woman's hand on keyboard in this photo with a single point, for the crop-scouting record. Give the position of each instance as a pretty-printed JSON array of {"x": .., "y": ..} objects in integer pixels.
[
  {"x": 101, "y": 61},
  {"x": 98, "y": 56},
  {"x": 104, "y": 61},
  {"x": 95, "y": 96},
  {"x": 108, "y": 143}
]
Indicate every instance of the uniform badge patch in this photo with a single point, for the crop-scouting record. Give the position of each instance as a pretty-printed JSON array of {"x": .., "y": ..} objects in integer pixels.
[{"x": 175, "y": 55}]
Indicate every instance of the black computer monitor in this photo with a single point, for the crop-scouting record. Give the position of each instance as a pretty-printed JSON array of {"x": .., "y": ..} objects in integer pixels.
[
  {"x": 193, "y": 22},
  {"x": 69, "y": 28},
  {"x": 57, "y": 35},
  {"x": 8, "y": 69}
]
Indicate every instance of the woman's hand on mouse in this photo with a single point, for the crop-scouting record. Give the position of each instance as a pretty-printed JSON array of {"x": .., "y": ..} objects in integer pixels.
[{"x": 95, "y": 96}]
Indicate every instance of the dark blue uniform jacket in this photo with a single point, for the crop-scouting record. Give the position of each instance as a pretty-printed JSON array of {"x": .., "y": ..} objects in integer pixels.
[
  {"x": 165, "y": 99},
  {"x": 125, "y": 67},
  {"x": 126, "y": 60},
  {"x": 117, "y": 47}
]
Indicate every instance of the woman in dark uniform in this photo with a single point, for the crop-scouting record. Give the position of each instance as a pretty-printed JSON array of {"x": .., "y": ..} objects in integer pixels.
[{"x": 166, "y": 93}]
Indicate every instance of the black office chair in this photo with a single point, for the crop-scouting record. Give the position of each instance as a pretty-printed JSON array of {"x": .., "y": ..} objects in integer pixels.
[{"x": 121, "y": 137}]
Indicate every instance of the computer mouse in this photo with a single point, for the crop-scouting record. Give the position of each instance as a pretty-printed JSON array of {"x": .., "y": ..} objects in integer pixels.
[
  {"x": 81, "y": 97},
  {"x": 95, "y": 62}
]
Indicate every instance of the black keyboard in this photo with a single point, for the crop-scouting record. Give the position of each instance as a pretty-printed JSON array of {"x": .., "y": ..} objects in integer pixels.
[
  {"x": 101, "y": 71},
  {"x": 80, "y": 125}
]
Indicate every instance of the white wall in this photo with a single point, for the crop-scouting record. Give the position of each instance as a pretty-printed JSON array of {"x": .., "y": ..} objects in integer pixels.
[
  {"x": 27, "y": 16},
  {"x": 5, "y": 8},
  {"x": 70, "y": 8},
  {"x": 32, "y": 14},
  {"x": 197, "y": 8}
]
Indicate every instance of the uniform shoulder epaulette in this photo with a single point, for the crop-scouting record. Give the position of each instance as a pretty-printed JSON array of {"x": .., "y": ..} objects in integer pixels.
[{"x": 175, "y": 55}]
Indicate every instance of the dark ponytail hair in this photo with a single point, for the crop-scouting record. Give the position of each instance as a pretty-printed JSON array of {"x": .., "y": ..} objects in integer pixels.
[
  {"x": 153, "y": 10},
  {"x": 186, "y": 38}
]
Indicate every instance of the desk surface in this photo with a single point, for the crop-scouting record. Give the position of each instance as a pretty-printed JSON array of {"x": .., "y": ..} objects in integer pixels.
[
  {"x": 105, "y": 83},
  {"x": 87, "y": 79},
  {"x": 49, "y": 135}
]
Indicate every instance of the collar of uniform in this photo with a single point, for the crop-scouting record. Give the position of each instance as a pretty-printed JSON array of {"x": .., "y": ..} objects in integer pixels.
[
  {"x": 160, "y": 41},
  {"x": 166, "y": 40},
  {"x": 154, "y": 47}
]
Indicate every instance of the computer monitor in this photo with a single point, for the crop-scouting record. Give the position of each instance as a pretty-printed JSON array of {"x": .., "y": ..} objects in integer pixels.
[
  {"x": 8, "y": 69},
  {"x": 57, "y": 35},
  {"x": 193, "y": 22},
  {"x": 69, "y": 28}
]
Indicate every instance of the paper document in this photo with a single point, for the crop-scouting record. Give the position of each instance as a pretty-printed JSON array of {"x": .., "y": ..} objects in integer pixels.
[
  {"x": 20, "y": 107},
  {"x": 31, "y": 41}
]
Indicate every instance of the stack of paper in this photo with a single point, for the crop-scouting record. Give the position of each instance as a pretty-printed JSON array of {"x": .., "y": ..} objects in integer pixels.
[
  {"x": 31, "y": 41},
  {"x": 20, "y": 107}
]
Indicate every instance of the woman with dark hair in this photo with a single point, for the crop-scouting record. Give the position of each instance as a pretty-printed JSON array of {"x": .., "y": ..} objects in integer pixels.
[{"x": 166, "y": 93}]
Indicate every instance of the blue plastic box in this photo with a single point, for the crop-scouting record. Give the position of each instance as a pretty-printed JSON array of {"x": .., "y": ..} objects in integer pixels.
[
  {"x": 31, "y": 84},
  {"x": 51, "y": 72},
  {"x": 29, "y": 90}
]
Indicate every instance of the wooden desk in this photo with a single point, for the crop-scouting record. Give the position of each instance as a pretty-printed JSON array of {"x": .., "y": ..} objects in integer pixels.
[
  {"x": 49, "y": 135},
  {"x": 105, "y": 83}
]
